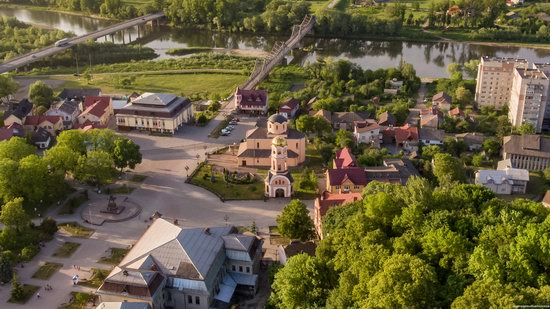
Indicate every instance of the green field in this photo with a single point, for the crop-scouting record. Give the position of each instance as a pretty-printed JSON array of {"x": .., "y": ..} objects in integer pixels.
[{"x": 187, "y": 84}]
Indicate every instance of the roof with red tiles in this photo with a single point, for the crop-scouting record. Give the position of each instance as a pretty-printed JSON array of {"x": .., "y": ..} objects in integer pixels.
[
  {"x": 456, "y": 112},
  {"x": 10, "y": 131},
  {"x": 289, "y": 105},
  {"x": 338, "y": 176},
  {"x": 406, "y": 133},
  {"x": 366, "y": 126},
  {"x": 96, "y": 106},
  {"x": 37, "y": 120},
  {"x": 344, "y": 159},
  {"x": 329, "y": 200},
  {"x": 252, "y": 97}
]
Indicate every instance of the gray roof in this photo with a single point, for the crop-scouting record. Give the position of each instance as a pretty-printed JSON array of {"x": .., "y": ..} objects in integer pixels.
[
  {"x": 40, "y": 136},
  {"x": 261, "y": 132},
  {"x": 68, "y": 107},
  {"x": 277, "y": 118},
  {"x": 79, "y": 93},
  {"x": 21, "y": 110},
  {"x": 499, "y": 176},
  {"x": 527, "y": 145},
  {"x": 238, "y": 242},
  {"x": 149, "y": 98},
  {"x": 157, "y": 102},
  {"x": 263, "y": 153},
  {"x": 432, "y": 134}
]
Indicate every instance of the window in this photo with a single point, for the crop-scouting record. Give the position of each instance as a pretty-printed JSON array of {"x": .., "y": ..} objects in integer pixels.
[
  {"x": 247, "y": 269},
  {"x": 233, "y": 268},
  {"x": 257, "y": 145},
  {"x": 189, "y": 299},
  {"x": 197, "y": 300},
  {"x": 240, "y": 268}
]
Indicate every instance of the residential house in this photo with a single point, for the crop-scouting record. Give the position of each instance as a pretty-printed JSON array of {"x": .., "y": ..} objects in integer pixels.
[
  {"x": 253, "y": 102},
  {"x": 327, "y": 201},
  {"x": 256, "y": 148},
  {"x": 367, "y": 132},
  {"x": 52, "y": 124},
  {"x": 386, "y": 120},
  {"x": 10, "y": 131},
  {"x": 344, "y": 159},
  {"x": 442, "y": 100},
  {"x": 474, "y": 140},
  {"x": 175, "y": 267},
  {"x": 404, "y": 137},
  {"x": 68, "y": 110},
  {"x": 155, "y": 112},
  {"x": 431, "y": 118},
  {"x": 346, "y": 180},
  {"x": 78, "y": 94},
  {"x": 41, "y": 138},
  {"x": 341, "y": 120},
  {"x": 531, "y": 152},
  {"x": 431, "y": 136},
  {"x": 96, "y": 110},
  {"x": 456, "y": 112},
  {"x": 505, "y": 181},
  {"x": 289, "y": 108},
  {"x": 16, "y": 113},
  {"x": 393, "y": 171},
  {"x": 295, "y": 247}
]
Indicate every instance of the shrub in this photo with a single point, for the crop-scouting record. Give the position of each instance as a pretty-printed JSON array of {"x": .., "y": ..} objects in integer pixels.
[
  {"x": 49, "y": 226},
  {"x": 29, "y": 252}
]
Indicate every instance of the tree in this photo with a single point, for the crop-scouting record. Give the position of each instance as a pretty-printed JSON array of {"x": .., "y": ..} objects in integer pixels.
[
  {"x": 547, "y": 174},
  {"x": 428, "y": 152},
  {"x": 304, "y": 282},
  {"x": 41, "y": 94},
  {"x": 463, "y": 95},
  {"x": 453, "y": 68},
  {"x": 96, "y": 167},
  {"x": 7, "y": 86},
  {"x": 294, "y": 221},
  {"x": 16, "y": 149},
  {"x": 478, "y": 159},
  {"x": 372, "y": 157},
  {"x": 126, "y": 153},
  {"x": 17, "y": 293},
  {"x": 13, "y": 215},
  {"x": 6, "y": 270},
  {"x": 308, "y": 180},
  {"x": 447, "y": 169},
  {"x": 75, "y": 140},
  {"x": 453, "y": 146},
  {"x": 491, "y": 146},
  {"x": 471, "y": 67},
  {"x": 61, "y": 158},
  {"x": 49, "y": 226},
  {"x": 344, "y": 138},
  {"x": 526, "y": 128}
]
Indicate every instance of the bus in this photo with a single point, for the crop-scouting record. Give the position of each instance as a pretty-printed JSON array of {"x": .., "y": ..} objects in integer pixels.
[{"x": 62, "y": 42}]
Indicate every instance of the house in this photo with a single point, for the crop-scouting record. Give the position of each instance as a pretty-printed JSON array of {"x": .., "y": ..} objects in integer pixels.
[
  {"x": 253, "y": 102},
  {"x": 442, "y": 100},
  {"x": 68, "y": 110},
  {"x": 327, "y": 201},
  {"x": 431, "y": 118},
  {"x": 431, "y": 136},
  {"x": 124, "y": 305},
  {"x": 386, "y": 120},
  {"x": 10, "y": 131},
  {"x": 530, "y": 151},
  {"x": 344, "y": 159},
  {"x": 504, "y": 181},
  {"x": 256, "y": 148},
  {"x": 346, "y": 180},
  {"x": 474, "y": 140},
  {"x": 78, "y": 94},
  {"x": 456, "y": 113},
  {"x": 367, "y": 132},
  {"x": 295, "y": 247},
  {"x": 155, "y": 112},
  {"x": 404, "y": 137},
  {"x": 175, "y": 267},
  {"x": 96, "y": 110},
  {"x": 341, "y": 120},
  {"x": 17, "y": 113},
  {"x": 393, "y": 171},
  {"x": 546, "y": 199},
  {"x": 41, "y": 138},
  {"x": 289, "y": 108},
  {"x": 52, "y": 124}
]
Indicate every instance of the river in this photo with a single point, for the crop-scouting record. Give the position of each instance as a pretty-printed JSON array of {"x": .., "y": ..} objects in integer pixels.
[{"x": 429, "y": 59}]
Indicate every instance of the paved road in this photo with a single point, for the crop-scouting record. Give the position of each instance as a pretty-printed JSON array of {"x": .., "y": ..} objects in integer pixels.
[{"x": 23, "y": 60}]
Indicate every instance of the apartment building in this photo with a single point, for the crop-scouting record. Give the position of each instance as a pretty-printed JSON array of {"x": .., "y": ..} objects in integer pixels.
[
  {"x": 494, "y": 80},
  {"x": 528, "y": 98}
]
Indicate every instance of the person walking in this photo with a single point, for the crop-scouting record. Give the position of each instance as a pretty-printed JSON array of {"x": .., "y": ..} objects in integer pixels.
[{"x": 38, "y": 295}]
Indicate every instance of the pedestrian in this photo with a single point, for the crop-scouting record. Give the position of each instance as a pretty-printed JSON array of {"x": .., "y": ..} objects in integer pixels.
[{"x": 38, "y": 295}]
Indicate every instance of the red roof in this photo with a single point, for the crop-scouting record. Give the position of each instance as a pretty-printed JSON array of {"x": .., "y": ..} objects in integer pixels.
[
  {"x": 252, "y": 97},
  {"x": 329, "y": 200},
  {"x": 289, "y": 105},
  {"x": 406, "y": 133},
  {"x": 455, "y": 112},
  {"x": 91, "y": 100},
  {"x": 10, "y": 131},
  {"x": 365, "y": 126},
  {"x": 96, "y": 106},
  {"x": 355, "y": 174},
  {"x": 344, "y": 159},
  {"x": 37, "y": 120},
  {"x": 431, "y": 111},
  {"x": 88, "y": 125}
]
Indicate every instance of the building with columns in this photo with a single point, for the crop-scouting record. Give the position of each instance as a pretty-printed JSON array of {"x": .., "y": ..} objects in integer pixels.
[
  {"x": 278, "y": 182},
  {"x": 531, "y": 152}
]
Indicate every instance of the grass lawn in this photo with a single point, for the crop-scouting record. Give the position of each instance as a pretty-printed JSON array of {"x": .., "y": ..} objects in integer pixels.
[
  {"x": 76, "y": 230},
  {"x": 47, "y": 270},
  {"x": 79, "y": 301},
  {"x": 28, "y": 292},
  {"x": 66, "y": 250},
  {"x": 228, "y": 191},
  {"x": 116, "y": 255},
  {"x": 187, "y": 84},
  {"x": 138, "y": 178},
  {"x": 98, "y": 275},
  {"x": 72, "y": 205}
]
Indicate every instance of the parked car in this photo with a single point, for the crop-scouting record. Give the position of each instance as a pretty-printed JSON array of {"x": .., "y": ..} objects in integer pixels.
[
  {"x": 228, "y": 128},
  {"x": 233, "y": 122},
  {"x": 224, "y": 132}
]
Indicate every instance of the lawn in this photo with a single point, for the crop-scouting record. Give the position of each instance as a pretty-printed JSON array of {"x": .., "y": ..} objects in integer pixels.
[
  {"x": 47, "y": 270},
  {"x": 76, "y": 230},
  {"x": 115, "y": 257},
  {"x": 138, "y": 178},
  {"x": 79, "y": 301},
  {"x": 186, "y": 84},
  {"x": 28, "y": 291},
  {"x": 66, "y": 250},
  {"x": 227, "y": 191},
  {"x": 98, "y": 275},
  {"x": 73, "y": 204}
]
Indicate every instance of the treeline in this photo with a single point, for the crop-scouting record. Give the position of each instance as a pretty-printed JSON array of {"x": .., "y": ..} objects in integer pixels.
[
  {"x": 419, "y": 246},
  {"x": 17, "y": 38},
  {"x": 333, "y": 22}
]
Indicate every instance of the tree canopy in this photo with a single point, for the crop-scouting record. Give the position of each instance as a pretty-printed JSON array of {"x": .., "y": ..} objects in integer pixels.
[{"x": 294, "y": 221}]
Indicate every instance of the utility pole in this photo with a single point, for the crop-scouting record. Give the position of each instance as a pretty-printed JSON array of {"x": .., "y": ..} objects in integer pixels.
[{"x": 76, "y": 56}]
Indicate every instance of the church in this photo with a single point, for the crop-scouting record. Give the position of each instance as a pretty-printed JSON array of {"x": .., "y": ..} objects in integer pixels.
[
  {"x": 256, "y": 149},
  {"x": 278, "y": 182}
]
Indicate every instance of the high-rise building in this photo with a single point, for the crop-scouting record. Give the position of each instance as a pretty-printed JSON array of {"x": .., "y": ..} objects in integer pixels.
[
  {"x": 528, "y": 98},
  {"x": 494, "y": 80}
]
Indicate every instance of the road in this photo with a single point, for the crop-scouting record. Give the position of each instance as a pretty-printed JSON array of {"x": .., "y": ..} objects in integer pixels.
[{"x": 23, "y": 60}]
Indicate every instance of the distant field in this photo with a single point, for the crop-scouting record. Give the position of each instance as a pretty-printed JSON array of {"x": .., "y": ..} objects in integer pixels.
[{"x": 187, "y": 84}]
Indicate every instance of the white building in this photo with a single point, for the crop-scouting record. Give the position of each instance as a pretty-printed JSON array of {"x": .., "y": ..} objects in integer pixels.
[
  {"x": 278, "y": 182},
  {"x": 367, "y": 132},
  {"x": 506, "y": 181}
]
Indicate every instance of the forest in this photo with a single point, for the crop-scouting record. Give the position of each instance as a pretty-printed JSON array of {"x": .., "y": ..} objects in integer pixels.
[{"x": 418, "y": 246}]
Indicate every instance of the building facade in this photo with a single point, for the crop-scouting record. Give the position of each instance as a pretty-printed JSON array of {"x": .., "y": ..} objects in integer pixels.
[
  {"x": 155, "y": 112},
  {"x": 253, "y": 102},
  {"x": 529, "y": 98},
  {"x": 367, "y": 132},
  {"x": 505, "y": 181},
  {"x": 530, "y": 152},
  {"x": 279, "y": 181}
]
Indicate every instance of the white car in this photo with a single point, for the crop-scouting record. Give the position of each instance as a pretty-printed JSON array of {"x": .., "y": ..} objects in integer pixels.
[{"x": 225, "y": 132}]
